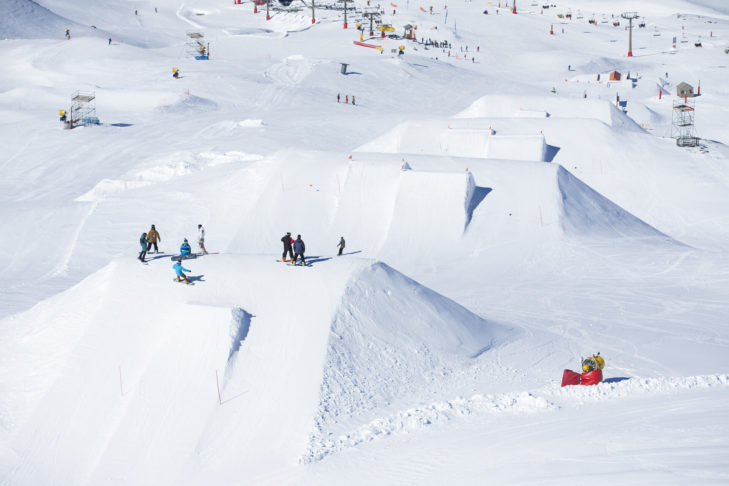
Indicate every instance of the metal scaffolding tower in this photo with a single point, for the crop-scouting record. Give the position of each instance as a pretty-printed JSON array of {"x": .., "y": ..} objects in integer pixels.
[
  {"x": 195, "y": 45},
  {"x": 83, "y": 109},
  {"x": 682, "y": 126}
]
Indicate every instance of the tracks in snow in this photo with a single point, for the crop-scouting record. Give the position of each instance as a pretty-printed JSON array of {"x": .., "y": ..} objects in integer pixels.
[{"x": 548, "y": 398}]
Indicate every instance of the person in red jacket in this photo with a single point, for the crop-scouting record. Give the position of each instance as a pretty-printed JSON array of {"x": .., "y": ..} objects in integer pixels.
[{"x": 287, "y": 242}]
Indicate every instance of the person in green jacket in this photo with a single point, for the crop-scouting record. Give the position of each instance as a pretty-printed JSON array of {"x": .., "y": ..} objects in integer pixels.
[{"x": 143, "y": 243}]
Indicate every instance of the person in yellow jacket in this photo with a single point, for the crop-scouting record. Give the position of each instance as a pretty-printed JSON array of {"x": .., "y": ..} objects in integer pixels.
[{"x": 153, "y": 237}]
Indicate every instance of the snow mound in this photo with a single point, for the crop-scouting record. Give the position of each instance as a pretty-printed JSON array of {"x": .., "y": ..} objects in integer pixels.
[
  {"x": 430, "y": 199},
  {"x": 176, "y": 164},
  {"x": 290, "y": 71},
  {"x": 26, "y": 19},
  {"x": 355, "y": 336},
  {"x": 586, "y": 212},
  {"x": 440, "y": 138},
  {"x": 391, "y": 340},
  {"x": 190, "y": 103}
]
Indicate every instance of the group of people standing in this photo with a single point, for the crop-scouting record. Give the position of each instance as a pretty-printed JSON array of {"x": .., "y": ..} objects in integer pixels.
[
  {"x": 152, "y": 237},
  {"x": 346, "y": 99},
  {"x": 295, "y": 248}
]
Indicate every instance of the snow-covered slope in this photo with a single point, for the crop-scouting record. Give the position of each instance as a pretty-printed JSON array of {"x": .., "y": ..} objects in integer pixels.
[{"x": 506, "y": 209}]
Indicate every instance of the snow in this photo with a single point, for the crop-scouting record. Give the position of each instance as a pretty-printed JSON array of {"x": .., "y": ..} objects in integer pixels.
[{"x": 504, "y": 217}]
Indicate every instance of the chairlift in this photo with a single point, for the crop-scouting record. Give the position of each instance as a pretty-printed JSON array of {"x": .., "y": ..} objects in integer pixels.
[
  {"x": 698, "y": 42},
  {"x": 656, "y": 32}
]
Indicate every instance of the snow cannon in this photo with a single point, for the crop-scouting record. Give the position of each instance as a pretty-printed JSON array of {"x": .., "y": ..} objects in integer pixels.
[{"x": 591, "y": 372}]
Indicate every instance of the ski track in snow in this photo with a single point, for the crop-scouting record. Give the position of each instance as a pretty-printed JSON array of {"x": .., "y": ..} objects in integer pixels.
[{"x": 550, "y": 398}]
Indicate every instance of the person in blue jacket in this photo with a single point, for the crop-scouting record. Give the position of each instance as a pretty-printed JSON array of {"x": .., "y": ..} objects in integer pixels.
[
  {"x": 299, "y": 249},
  {"x": 143, "y": 244},
  {"x": 185, "y": 248},
  {"x": 179, "y": 269}
]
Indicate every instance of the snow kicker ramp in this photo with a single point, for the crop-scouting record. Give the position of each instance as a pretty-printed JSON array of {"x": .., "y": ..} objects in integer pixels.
[
  {"x": 104, "y": 375},
  {"x": 505, "y": 106},
  {"x": 440, "y": 138}
]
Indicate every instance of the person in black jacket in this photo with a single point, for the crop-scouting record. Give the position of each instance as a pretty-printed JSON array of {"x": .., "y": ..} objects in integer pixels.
[
  {"x": 341, "y": 245},
  {"x": 299, "y": 249},
  {"x": 287, "y": 242}
]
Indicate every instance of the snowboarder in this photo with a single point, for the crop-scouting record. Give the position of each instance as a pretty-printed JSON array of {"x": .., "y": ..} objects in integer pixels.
[
  {"x": 152, "y": 237},
  {"x": 353, "y": 100},
  {"x": 299, "y": 249},
  {"x": 341, "y": 245},
  {"x": 201, "y": 238},
  {"x": 109, "y": 40},
  {"x": 338, "y": 98},
  {"x": 287, "y": 242},
  {"x": 185, "y": 248},
  {"x": 143, "y": 244},
  {"x": 68, "y": 34},
  {"x": 179, "y": 270}
]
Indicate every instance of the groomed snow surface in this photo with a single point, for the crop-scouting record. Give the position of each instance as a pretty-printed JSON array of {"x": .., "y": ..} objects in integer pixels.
[{"x": 504, "y": 216}]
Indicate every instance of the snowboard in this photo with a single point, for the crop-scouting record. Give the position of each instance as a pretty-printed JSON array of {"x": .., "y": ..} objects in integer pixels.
[
  {"x": 183, "y": 257},
  {"x": 182, "y": 281},
  {"x": 298, "y": 265}
]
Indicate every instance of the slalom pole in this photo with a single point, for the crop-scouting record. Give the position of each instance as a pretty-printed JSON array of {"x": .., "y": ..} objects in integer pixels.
[{"x": 217, "y": 383}]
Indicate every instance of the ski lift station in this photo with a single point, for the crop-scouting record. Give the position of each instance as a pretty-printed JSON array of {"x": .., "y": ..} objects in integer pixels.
[{"x": 684, "y": 90}]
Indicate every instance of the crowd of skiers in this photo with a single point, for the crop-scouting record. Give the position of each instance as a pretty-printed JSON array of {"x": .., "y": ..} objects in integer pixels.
[
  {"x": 152, "y": 237},
  {"x": 293, "y": 248}
]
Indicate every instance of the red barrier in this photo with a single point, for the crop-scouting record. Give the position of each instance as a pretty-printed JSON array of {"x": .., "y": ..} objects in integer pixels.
[
  {"x": 570, "y": 377},
  {"x": 358, "y": 43}
]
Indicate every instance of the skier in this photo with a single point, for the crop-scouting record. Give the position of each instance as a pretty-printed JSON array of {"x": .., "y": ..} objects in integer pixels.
[
  {"x": 185, "y": 248},
  {"x": 287, "y": 242},
  {"x": 109, "y": 40},
  {"x": 153, "y": 236},
  {"x": 299, "y": 249},
  {"x": 346, "y": 98},
  {"x": 337, "y": 97},
  {"x": 353, "y": 100},
  {"x": 179, "y": 271},
  {"x": 341, "y": 245},
  {"x": 201, "y": 238},
  {"x": 68, "y": 34},
  {"x": 143, "y": 244}
]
